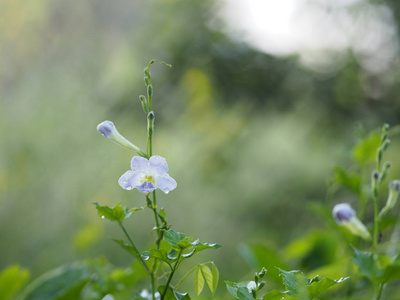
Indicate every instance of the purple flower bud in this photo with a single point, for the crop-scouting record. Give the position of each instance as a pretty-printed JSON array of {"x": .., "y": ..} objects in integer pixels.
[
  {"x": 106, "y": 128},
  {"x": 395, "y": 185},
  {"x": 375, "y": 175},
  {"x": 343, "y": 213}
]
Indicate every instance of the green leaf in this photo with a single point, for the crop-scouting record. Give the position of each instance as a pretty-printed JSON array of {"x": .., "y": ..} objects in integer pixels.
[
  {"x": 172, "y": 254},
  {"x": 198, "y": 280},
  {"x": 392, "y": 272},
  {"x": 377, "y": 267},
  {"x": 365, "y": 150},
  {"x": 11, "y": 281},
  {"x": 200, "y": 247},
  {"x": 176, "y": 239},
  {"x": 215, "y": 275},
  {"x": 297, "y": 284},
  {"x": 134, "y": 209},
  {"x": 244, "y": 293},
  {"x": 371, "y": 265},
  {"x": 318, "y": 285},
  {"x": 163, "y": 216},
  {"x": 233, "y": 287},
  {"x": 274, "y": 295},
  {"x": 292, "y": 280},
  {"x": 114, "y": 214},
  {"x": 65, "y": 282},
  {"x": 208, "y": 276},
  {"x": 161, "y": 254}
]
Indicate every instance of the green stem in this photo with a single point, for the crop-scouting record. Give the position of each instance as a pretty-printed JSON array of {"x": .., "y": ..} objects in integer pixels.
[
  {"x": 376, "y": 218},
  {"x": 137, "y": 253},
  {"x": 378, "y": 291},
  {"x": 171, "y": 275}
]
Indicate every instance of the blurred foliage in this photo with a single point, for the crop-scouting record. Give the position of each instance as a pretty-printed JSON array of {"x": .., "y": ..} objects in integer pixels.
[{"x": 250, "y": 138}]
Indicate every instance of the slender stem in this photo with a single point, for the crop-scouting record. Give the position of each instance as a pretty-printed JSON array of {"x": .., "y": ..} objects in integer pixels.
[
  {"x": 171, "y": 275},
  {"x": 135, "y": 249},
  {"x": 378, "y": 291},
  {"x": 186, "y": 276},
  {"x": 376, "y": 218}
]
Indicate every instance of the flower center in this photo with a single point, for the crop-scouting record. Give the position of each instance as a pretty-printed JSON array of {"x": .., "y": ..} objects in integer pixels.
[{"x": 148, "y": 178}]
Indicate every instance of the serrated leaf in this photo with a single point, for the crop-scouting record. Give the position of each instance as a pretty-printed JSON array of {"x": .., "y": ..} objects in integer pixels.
[
  {"x": 114, "y": 214},
  {"x": 175, "y": 238},
  {"x": 11, "y": 280},
  {"x": 291, "y": 280},
  {"x": 198, "y": 280},
  {"x": 319, "y": 285}
]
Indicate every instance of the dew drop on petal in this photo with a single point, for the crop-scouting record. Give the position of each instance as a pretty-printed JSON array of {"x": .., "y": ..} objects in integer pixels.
[{"x": 166, "y": 191}]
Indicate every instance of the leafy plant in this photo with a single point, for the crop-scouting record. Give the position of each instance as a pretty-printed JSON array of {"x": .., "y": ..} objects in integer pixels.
[{"x": 149, "y": 173}]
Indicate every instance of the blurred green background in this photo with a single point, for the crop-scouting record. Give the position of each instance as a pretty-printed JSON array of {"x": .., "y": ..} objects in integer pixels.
[{"x": 250, "y": 137}]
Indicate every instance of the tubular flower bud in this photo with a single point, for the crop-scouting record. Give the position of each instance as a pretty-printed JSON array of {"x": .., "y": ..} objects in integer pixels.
[
  {"x": 345, "y": 215},
  {"x": 394, "y": 190},
  {"x": 108, "y": 129}
]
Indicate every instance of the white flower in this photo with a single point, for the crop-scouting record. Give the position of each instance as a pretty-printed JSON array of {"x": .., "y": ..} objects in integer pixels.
[{"x": 146, "y": 175}]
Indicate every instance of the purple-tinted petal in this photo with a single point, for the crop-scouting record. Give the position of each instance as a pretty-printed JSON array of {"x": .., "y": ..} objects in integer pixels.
[
  {"x": 165, "y": 183},
  {"x": 106, "y": 128},
  {"x": 146, "y": 187},
  {"x": 139, "y": 164},
  {"x": 129, "y": 180},
  {"x": 158, "y": 164},
  {"x": 343, "y": 212}
]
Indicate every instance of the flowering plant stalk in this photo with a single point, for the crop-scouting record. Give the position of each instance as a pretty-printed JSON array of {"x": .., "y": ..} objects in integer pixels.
[
  {"x": 148, "y": 173},
  {"x": 379, "y": 264}
]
